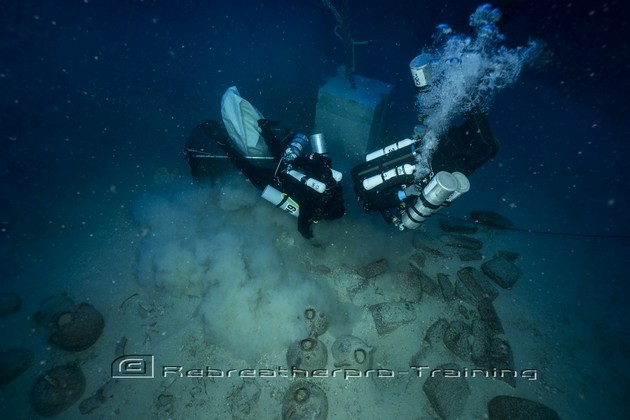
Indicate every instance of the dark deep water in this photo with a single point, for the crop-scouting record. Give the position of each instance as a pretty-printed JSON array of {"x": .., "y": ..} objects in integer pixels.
[{"x": 97, "y": 99}]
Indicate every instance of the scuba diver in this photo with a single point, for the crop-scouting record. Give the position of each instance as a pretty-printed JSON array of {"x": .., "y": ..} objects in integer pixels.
[
  {"x": 275, "y": 161},
  {"x": 388, "y": 183},
  {"x": 455, "y": 80}
]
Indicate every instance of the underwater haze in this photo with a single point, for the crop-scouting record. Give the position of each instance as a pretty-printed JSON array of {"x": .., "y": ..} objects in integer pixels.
[{"x": 131, "y": 289}]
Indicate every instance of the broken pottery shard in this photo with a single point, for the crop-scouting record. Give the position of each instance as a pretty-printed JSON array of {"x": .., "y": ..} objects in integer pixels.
[
  {"x": 448, "y": 291},
  {"x": 433, "y": 341},
  {"x": 461, "y": 241},
  {"x": 120, "y": 347},
  {"x": 373, "y": 269},
  {"x": 100, "y": 397},
  {"x": 489, "y": 316},
  {"x": 501, "y": 271},
  {"x": 416, "y": 260},
  {"x": 390, "y": 315},
  {"x": 468, "y": 255},
  {"x": 480, "y": 347},
  {"x": 429, "y": 286},
  {"x": 446, "y": 391},
  {"x": 511, "y": 256},
  {"x": 243, "y": 399},
  {"x": 463, "y": 294},
  {"x": 411, "y": 285},
  {"x": 357, "y": 287},
  {"x": 435, "y": 333},
  {"x": 504, "y": 407},
  {"x": 491, "y": 219},
  {"x": 456, "y": 339},
  {"x": 464, "y": 312},
  {"x": 477, "y": 284},
  {"x": 424, "y": 243},
  {"x": 457, "y": 226},
  {"x": 501, "y": 358}
]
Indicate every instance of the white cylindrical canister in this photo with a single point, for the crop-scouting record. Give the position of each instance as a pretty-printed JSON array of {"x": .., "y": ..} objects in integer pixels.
[
  {"x": 377, "y": 180},
  {"x": 388, "y": 149},
  {"x": 281, "y": 200},
  {"x": 318, "y": 186}
]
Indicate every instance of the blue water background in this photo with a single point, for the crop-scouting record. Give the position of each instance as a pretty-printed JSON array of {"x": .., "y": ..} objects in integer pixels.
[{"x": 96, "y": 95}]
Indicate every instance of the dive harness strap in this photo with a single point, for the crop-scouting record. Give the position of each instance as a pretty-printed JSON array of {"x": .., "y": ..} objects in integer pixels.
[{"x": 426, "y": 204}]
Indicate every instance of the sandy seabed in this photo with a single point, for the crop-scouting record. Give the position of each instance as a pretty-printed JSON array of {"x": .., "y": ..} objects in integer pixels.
[{"x": 198, "y": 317}]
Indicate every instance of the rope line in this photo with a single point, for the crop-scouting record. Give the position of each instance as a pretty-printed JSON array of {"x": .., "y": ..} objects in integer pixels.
[{"x": 540, "y": 232}]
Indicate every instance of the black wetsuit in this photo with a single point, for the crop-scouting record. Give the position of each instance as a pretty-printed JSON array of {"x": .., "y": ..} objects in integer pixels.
[
  {"x": 466, "y": 147},
  {"x": 463, "y": 148},
  {"x": 314, "y": 206}
]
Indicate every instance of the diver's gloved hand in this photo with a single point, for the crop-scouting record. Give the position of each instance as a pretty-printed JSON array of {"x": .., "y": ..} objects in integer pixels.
[
  {"x": 304, "y": 227},
  {"x": 266, "y": 131},
  {"x": 264, "y": 124},
  {"x": 413, "y": 190},
  {"x": 305, "y": 232},
  {"x": 305, "y": 219}
]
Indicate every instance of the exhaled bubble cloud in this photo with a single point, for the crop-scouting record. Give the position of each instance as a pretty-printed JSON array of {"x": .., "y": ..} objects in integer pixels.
[{"x": 462, "y": 73}]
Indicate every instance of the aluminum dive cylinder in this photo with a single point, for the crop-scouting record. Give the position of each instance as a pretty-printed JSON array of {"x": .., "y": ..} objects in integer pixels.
[
  {"x": 318, "y": 143},
  {"x": 295, "y": 148},
  {"x": 463, "y": 187},
  {"x": 443, "y": 188}
]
